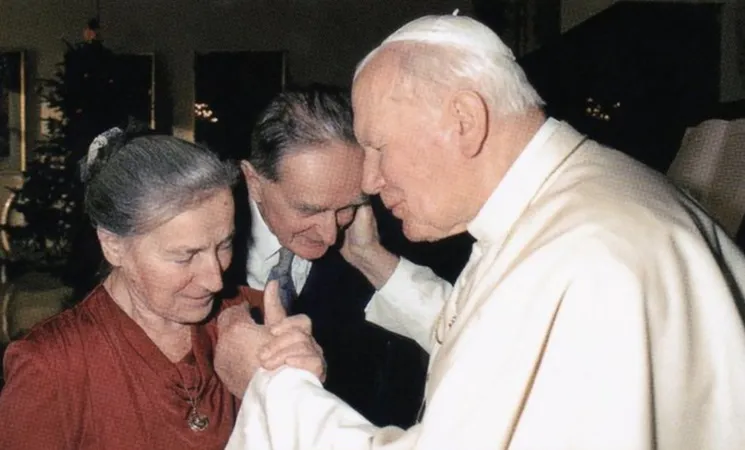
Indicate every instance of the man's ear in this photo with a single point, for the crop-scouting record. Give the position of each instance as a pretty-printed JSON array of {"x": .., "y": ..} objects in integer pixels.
[
  {"x": 253, "y": 180},
  {"x": 112, "y": 246},
  {"x": 470, "y": 116}
]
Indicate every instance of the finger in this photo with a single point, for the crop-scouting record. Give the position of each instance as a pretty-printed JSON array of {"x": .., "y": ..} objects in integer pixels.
[
  {"x": 365, "y": 218},
  {"x": 298, "y": 349},
  {"x": 274, "y": 312},
  {"x": 365, "y": 214},
  {"x": 299, "y": 322},
  {"x": 277, "y": 344}
]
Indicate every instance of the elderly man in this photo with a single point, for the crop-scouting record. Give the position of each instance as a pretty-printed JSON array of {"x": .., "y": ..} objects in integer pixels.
[
  {"x": 304, "y": 176},
  {"x": 598, "y": 310}
]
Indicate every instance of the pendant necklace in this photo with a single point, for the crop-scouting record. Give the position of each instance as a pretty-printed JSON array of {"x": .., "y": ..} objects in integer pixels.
[{"x": 195, "y": 420}]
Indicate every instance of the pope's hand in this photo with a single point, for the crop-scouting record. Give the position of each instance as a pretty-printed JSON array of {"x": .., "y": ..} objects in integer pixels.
[
  {"x": 293, "y": 342},
  {"x": 244, "y": 346},
  {"x": 361, "y": 237},
  {"x": 363, "y": 250}
]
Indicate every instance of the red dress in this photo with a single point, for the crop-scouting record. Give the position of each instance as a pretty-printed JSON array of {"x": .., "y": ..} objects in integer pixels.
[{"x": 90, "y": 378}]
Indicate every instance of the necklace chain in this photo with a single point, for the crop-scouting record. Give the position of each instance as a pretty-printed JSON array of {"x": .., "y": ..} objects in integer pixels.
[{"x": 195, "y": 420}]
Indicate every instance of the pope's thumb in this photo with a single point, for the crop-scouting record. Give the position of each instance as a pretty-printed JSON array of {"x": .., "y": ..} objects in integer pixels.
[{"x": 365, "y": 212}]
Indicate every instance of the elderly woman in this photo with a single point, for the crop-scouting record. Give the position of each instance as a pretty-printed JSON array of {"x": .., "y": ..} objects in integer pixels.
[{"x": 130, "y": 367}]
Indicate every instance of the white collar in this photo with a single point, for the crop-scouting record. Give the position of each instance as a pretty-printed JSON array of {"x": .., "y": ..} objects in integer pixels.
[
  {"x": 545, "y": 152},
  {"x": 265, "y": 243}
]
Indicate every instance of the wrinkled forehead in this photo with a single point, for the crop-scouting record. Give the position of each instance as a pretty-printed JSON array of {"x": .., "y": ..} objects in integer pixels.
[
  {"x": 325, "y": 175},
  {"x": 372, "y": 91}
]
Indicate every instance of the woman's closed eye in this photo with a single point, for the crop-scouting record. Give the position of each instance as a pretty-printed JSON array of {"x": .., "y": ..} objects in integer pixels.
[{"x": 185, "y": 259}]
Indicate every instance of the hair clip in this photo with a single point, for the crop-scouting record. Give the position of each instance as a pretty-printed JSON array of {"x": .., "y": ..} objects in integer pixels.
[
  {"x": 101, "y": 141},
  {"x": 457, "y": 10}
]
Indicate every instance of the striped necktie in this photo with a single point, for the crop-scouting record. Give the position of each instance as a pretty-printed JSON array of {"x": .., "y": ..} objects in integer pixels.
[{"x": 282, "y": 272}]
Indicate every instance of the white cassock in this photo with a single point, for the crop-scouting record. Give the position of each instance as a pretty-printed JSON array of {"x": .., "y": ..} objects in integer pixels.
[{"x": 599, "y": 310}]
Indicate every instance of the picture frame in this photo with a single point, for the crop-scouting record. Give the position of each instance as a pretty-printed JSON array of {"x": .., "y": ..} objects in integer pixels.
[
  {"x": 137, "y": 70},
  {"x": 13, "y": 104}
]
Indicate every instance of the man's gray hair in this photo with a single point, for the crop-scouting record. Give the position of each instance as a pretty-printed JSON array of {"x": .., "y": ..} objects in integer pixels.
[
  {"x": 459, "y": 52},
  {"x": 134, "y": 185},
  {"x": 316, "y": 115}
]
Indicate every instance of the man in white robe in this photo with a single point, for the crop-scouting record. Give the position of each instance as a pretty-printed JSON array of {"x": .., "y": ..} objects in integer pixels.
[{"x": 600, "y": 309}]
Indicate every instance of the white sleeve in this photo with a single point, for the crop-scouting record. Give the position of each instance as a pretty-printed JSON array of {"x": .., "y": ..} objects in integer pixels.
[
  {"x": 409, "y": 302},
  {"x": 288, "y": 409}
]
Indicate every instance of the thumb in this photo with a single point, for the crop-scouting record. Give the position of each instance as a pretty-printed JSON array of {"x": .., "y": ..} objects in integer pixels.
[
  {"x": 365, "y": 212},
  {"x": 366, "y": 218},
  {"x": 274, "y": 312}
]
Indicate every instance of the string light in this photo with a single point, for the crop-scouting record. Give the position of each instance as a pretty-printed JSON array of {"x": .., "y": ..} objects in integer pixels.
[
  {"x": 202, "y": 111},
  {"x": 598, "y": 111}
]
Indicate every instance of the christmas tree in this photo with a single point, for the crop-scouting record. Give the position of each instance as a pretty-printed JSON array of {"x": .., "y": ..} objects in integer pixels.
[{"x": 87, "y": 98}]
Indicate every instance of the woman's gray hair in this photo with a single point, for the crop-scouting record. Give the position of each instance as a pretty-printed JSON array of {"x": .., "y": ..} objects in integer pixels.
[{"x": 134, "y": 184}]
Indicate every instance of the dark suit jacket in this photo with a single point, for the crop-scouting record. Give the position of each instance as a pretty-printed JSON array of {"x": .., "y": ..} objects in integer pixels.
[{"x": 379, "y": 373}]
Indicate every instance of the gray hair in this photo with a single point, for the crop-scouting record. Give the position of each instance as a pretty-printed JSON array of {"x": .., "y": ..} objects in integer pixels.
[
  {"x": 297, "y": 118},
  {"x": 459, "y": 52},
  {"x": 134, "y": 184}
]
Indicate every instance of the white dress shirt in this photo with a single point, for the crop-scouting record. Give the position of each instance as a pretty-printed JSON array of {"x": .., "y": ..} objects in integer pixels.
[
  {"x": 263, "y": 254},
  {"x": 599, "y": 310}
]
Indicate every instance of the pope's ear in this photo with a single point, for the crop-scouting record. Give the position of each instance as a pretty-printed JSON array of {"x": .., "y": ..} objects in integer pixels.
[
  {"x": 253, "y": 180},
  {"x": 112, "y": 246},
  {"x": 471, "y": 115}
]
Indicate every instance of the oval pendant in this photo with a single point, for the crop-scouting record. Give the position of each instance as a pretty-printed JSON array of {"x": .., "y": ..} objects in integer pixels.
[{"x": 197, "y": 422}]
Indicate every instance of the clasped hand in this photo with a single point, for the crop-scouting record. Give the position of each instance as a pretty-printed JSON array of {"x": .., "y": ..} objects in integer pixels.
[{"x": 243, "y": 346}]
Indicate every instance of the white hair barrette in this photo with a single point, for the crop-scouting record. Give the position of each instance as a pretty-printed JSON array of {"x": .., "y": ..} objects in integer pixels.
[
  {"x": 457, "y": 10},
  {"x": 100, "y": 142}
]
